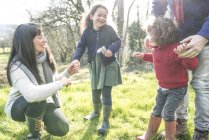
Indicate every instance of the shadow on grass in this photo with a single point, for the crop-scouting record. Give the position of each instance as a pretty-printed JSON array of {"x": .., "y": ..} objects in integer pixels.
[
  {"x": 92, "y": 129},
  {"x": 21, "y": 136},
  {"x": 185, "y": 137}
]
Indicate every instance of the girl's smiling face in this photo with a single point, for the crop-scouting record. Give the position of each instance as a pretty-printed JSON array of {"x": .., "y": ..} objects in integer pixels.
[{"x": 99, "y": 18}]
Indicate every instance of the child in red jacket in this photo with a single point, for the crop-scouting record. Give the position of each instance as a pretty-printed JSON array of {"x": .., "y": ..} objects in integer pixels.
[{"x": 171, "y": 73}]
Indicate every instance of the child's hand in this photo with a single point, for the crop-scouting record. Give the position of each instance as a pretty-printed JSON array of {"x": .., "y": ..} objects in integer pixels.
[
  {"x": 194, "y": 46},
  {"x": 181, "y": 48},
  {"x": 108, "y": 53},
  {"x": 73, "y": 67},
  {"x": 138, "y": 55}
]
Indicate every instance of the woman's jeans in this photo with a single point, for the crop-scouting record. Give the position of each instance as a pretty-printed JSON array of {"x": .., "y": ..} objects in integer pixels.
[{"x": 54, "y": 120}]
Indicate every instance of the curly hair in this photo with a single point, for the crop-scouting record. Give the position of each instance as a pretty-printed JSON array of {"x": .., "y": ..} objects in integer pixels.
[{"x": 163, "y": 31}]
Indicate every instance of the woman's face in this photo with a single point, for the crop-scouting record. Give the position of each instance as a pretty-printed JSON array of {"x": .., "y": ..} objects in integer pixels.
[
  {"x": 99, "y": 18},
  {"x": 39, "y": 43}
]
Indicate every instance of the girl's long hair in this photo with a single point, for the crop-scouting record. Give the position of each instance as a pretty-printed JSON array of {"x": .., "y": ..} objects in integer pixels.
[{"x": 23, "y": 49}]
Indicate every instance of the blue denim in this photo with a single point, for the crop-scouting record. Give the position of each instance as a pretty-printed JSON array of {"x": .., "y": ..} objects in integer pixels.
[
  {"x": 200, "y": 83},
  {"x": 182, "y": 110},
  {"x": 106, "y": 95},
  {"x": 167, "y": 101}
]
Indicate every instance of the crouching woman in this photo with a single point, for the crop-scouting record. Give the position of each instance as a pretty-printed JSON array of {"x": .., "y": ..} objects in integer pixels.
[{"x": 33, "y": 97}]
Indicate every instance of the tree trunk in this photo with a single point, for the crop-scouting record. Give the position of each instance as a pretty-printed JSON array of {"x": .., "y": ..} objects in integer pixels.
[
  {"x": 4, "y": 50},
  {"x": 125, "y": 48},
  {"x": 120, "y": 22}
]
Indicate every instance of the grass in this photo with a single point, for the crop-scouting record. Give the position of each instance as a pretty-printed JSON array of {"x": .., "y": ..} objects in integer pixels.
[
  {"x": 4, "y": 58},
  {"x": 132, "y": 104},
  {"x": 3, "y": 62},
  {"x": 6, "y": 50}
]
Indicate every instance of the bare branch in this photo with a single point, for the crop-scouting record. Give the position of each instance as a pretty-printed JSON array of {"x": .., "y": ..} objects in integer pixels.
[
  {"x": 127, "y": 21},
  {"x": 114, "y": 6}
]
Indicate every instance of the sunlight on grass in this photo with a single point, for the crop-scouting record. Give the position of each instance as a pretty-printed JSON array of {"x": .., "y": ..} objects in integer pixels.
[{"x": 132, "y": 104}]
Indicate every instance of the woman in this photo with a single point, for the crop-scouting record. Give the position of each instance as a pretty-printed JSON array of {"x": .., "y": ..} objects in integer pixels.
[{"x": 33, "y": 97}]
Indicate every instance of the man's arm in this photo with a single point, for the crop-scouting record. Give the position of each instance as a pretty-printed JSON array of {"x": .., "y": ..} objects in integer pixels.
[
  {"x": 195, "y": 43},
  {"x": 204, "y": 31}
]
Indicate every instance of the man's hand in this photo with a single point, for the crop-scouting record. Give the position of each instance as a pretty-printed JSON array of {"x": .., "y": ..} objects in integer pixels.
[{"x": 194, "y": 45}]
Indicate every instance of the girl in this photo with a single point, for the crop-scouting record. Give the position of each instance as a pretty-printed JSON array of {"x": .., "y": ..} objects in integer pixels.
[
  {"x": 34, "y": 82},
  {"x": 171, "y": 73},
  {"x": 103, "y": 67}
]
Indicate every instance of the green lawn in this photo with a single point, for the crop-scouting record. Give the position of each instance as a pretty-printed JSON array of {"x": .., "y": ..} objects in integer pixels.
[
  {"x": 3, "y": 58},
  {"x": 3, "y": 62},
  {"x": 132, "y": 105},
  {"x": 6, "y": 50}
]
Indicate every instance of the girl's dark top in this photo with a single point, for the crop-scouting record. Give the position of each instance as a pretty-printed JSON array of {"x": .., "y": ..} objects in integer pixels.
[{"x": 94, "y": 40}]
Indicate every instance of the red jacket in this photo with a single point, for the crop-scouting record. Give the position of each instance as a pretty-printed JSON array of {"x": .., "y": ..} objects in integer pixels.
[{"x": 171, "y": 70}]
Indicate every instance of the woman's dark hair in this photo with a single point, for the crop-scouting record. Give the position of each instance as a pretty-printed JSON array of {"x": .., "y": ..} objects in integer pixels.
[
  {"x": 88, "y": 23},
  {"x": 23, "y": 49},
  {"x": 163, "y": 31}
]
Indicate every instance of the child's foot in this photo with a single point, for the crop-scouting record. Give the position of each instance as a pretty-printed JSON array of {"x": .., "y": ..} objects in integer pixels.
[{"x": 141, "y": 137}]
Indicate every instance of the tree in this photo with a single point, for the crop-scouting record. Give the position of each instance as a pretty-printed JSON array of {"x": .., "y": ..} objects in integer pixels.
[
  {"x": 136, "y": 36},
  {"x": 121, "y": 25},
  {"x": 61, "y": 22},
  {"x": 4, "y": 44},
  {"x": 119, "y": 13}
]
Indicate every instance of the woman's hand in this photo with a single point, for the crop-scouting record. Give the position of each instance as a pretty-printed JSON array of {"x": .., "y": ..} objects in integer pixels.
[{"x": 65, "y": 81}]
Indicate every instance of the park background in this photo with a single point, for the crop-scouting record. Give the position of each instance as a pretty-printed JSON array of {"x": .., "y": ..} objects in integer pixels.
[{"x": 132, "y": 101}]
